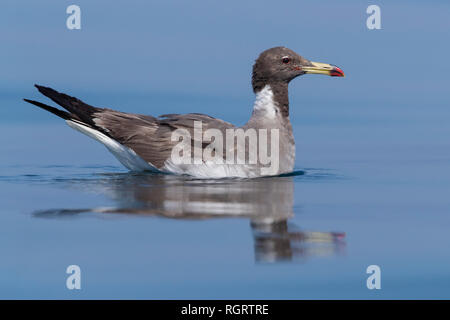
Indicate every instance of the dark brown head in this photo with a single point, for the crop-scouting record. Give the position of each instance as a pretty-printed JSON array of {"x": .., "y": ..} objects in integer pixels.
[{"x": 281, "y": 65}]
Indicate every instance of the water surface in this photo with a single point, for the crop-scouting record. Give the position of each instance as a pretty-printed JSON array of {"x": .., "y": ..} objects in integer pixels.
[
  {"x": 373, "y": 153},
  {"x": 65, "y": 200}
]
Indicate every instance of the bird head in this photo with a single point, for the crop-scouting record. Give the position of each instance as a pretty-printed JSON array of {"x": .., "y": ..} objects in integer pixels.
[{"x": 281, "y": 64}]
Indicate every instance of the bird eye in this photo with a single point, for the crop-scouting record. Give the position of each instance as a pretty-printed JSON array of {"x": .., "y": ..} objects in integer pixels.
[{"x": 285, "y": 59}]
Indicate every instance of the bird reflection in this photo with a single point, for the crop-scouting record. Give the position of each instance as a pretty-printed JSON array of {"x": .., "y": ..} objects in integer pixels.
[{"x": 266, "y": 202}]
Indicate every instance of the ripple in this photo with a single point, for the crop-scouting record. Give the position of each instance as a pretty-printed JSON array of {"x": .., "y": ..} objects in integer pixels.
[{"x": 57, "y": 174}]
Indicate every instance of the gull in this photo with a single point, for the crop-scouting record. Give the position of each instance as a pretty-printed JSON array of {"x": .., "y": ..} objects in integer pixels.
[{"x": 146, "y": 143}]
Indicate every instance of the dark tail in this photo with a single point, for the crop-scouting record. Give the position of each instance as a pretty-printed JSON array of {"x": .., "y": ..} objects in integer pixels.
[
  {"x": 60, "y": 113},
  {"x": 77, "y": 109}
]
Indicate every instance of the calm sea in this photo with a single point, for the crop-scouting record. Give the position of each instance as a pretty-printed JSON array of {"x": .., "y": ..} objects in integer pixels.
[{"x": 371, "y": 188}]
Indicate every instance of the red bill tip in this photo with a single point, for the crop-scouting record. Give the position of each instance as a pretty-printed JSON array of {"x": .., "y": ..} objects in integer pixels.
[{"x": 337, "y": 72}]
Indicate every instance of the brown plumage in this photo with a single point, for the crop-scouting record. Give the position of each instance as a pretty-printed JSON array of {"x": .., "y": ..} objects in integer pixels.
[
  {"x": 148, "y": 136},
  {"x": 151, "y": 137}
]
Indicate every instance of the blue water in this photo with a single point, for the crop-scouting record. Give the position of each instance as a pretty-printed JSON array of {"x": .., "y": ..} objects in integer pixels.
[
  {"x": 372, "y": 174},
  {"x": 363, "y": 194}
]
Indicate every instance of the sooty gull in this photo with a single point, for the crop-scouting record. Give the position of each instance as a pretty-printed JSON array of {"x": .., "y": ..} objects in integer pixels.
[{"x": 147, "y": 143}]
